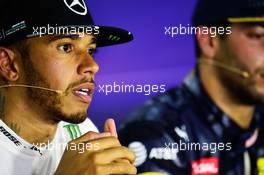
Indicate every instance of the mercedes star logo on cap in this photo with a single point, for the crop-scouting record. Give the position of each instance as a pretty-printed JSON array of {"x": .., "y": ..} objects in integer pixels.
[{"x": 77, "y": 6}]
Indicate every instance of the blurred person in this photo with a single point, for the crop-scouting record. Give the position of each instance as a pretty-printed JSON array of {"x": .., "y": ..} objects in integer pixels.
[{"x": 211, "y": 124}]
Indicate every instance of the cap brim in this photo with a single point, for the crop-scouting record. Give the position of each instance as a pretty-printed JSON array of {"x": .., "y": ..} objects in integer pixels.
[
  {"x": 111, "y": 36},
  {"x": 246, "y": 19}
]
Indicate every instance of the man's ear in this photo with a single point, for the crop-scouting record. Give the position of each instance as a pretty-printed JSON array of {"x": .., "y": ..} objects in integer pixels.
[
  {"x": 207, "y": 42},
  {"x": 8, "y": 65}
]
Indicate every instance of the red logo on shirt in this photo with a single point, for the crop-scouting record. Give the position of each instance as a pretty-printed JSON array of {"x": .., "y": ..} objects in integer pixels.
[{"x": 205, "y": 166}]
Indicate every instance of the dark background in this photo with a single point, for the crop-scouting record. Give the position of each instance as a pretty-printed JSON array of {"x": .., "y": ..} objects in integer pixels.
[{"x": 152, "y": 58}]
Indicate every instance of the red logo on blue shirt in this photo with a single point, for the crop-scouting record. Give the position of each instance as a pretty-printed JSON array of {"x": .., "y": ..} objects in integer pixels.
[{"x": 205, "y": 166}]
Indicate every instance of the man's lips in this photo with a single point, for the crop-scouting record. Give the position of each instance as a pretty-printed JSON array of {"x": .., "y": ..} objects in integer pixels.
[{"x": 84, "y": 92}]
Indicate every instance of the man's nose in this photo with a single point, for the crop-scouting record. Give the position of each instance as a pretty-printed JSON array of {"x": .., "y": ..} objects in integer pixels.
[{"x": 87, "y": 65}]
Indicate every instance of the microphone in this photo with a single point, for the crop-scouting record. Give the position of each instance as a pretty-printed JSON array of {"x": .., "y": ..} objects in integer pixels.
[
  {"x": 242, "y": 73},
  {"x": 35, "y": 87}
]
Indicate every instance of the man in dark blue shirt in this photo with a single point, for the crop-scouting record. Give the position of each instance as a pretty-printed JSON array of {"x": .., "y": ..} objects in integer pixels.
[{"x": 210, "y": 124}]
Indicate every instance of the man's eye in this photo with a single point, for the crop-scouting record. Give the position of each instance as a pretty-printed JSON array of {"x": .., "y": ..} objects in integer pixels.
[
  {"x": 257, "y": 36},
  {"x": 65, "y": 48},
  {"x": 91, "y": 51}
]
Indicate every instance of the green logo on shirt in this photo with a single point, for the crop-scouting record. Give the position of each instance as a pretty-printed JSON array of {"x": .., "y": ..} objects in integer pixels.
[{"x": 73, "y": 130}]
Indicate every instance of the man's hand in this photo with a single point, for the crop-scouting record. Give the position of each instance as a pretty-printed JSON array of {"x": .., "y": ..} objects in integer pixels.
[{"x": 105, "y": 155}]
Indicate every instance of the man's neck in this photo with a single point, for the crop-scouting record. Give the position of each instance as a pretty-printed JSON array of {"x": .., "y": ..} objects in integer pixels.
[
  {"x": 27, "y": 121},
  {"x": 241, "y": 114}
]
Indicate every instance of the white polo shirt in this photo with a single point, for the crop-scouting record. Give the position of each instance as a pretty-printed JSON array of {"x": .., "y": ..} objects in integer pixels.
[{"x": 18, "y": 157}]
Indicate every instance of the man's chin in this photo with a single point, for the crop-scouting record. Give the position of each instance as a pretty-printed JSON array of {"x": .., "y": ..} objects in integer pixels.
[
  {"x": 254, "y": 96},
  {"x": 74, "y": 114},
  {"x": 73, "y": 118},
  {"x": 259, "y": 98}
]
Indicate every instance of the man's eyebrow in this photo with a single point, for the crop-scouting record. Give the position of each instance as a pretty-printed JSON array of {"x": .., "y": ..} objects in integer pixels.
[
  {"x": 58, "y": 37},
  {"x": 94, "y": 40},
  {"x": 71, "y": 36},
  {"x": 256, "y": 24}
]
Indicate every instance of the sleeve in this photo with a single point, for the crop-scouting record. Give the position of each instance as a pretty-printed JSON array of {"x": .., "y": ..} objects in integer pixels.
[{"x": 154, "y": 149}]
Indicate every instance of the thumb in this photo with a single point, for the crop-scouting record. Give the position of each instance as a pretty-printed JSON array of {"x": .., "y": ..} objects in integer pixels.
[
  {"x": 89, "y": 136},
  {"x": 110, "y": 127}
]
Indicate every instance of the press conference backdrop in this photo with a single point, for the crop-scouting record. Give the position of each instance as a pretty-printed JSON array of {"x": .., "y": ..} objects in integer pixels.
[{"x": 152, "y": 58}]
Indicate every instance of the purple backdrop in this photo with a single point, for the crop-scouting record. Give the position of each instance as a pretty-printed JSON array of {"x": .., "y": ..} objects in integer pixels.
[{"x": 152, "y": 58}]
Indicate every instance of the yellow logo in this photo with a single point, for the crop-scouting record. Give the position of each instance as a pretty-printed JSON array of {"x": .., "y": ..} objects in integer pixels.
[{"x": 260, "y": 165}]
